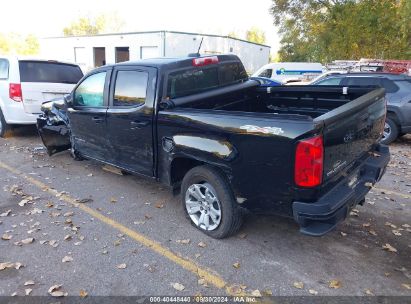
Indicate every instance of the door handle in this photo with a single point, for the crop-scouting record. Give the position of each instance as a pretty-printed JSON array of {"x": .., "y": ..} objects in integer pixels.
[
  {"x": 97, "y": 119},
  {"x": 137, "y": 124}
]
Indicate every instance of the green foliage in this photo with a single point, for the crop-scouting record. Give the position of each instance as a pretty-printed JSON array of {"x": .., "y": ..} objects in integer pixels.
[
  {"x": 324, "y": 30},
  {"x": 255, "y": 35},
  {"x": 18, "y": 44},
  {"x": 103, "y": 23},
  {"x": 233, "y": 34}
]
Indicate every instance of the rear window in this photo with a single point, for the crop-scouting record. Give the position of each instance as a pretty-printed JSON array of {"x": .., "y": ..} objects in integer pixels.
[
  {"x": 39, "y": 71},
  {"x": 197, "y": 80},
  {"x": 4, "y": 68}
]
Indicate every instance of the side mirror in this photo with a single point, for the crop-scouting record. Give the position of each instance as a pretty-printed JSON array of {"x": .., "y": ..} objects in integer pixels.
[{"x": 68, "y": 100}]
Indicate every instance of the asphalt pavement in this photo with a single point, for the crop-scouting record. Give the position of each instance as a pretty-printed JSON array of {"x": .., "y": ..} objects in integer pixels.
[{"x": 71, "y": 223}]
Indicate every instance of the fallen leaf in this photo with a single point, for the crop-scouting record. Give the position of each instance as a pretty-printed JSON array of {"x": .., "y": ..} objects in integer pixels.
[
  {"x": 23, "y": 202},
  {"x": 406, "y": 286},
  {"x": 368, "y": 292},
  {"x": 28, "y": 291},
  {"x": 28, "y": 283},
  {"x": 236, "y": 265},
  {"x": 267, "y": 292},
  {"x": 67, "y": 214},
  {"x": 343, "y": 233},
  {"x": 4, "y": 214},
  {"x": 117, "y": 243},
  {"x": 406, "y": 226},
  {"x": 67, "y": 258},
  {"x": 113, "y": 200},
  {"x": 299, "y": 285},
  {"x": 121, "y": 266},
  {"x": 256, "y": 293},
  {"x": 83, "y": 293},
  {"x": 197, "y": 255},
  {"x": 49, "y": 205},
  {"x": 368, "y": 185},
  {"x": 242, "y": 235},
  {"x": 159, "y": 206},
  {"x": 27, "y": 241},
  {"x": 18, "y": 265},
  {"x": 396, "y": 233},
  {"x": 56, "y": 292},
  {"x": 6, "y": 237},
  {"x": 373, "y": 232},
  {"x": 202, "y": 245},
  {"x": 68, "y": 237},
  {"x": 334, "y": 284},
  {"x": 13, "y": 294},
  {"x": 313, "y": 292},
  {"x": 186, "y": 241},
  {"x": 178, "y": 286},
  {"x": 389, "y": 248},
  {"x": 366, "y": 224},
  {"x": 202, "y": 282},
  {"x": 390, "y": 225},
  {"x": 148, "y": 216}
]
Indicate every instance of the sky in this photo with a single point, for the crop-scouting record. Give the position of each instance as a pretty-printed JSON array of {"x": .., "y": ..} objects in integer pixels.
[{"x": 47, "y": 18}]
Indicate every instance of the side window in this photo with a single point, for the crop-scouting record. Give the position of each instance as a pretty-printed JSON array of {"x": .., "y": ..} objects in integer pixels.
[
  {"x": 363, "y": 81},
  {"x": 90, "y": 93},
  {"x": 330, "y": 81},
  {"x": 130, "y": 89},
  {"x": 266, "y": 73},
  {"x": 4, "y": 69}
]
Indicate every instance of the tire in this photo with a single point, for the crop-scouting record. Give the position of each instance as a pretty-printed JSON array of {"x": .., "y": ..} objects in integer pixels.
[
  {"x": 4, "y": 126},
  {"x": 216, "y": 197},
  {"x": 75, "y": 155},
  {"x": 391, "y": 131}
]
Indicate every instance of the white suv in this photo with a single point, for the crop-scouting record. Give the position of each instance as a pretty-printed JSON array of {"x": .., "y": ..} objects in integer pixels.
[{"x": 26, "y": 83}]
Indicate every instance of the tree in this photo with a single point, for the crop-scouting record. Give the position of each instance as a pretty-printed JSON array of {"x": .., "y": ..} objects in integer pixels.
[
  {"x": 233, "y": 34},
  {"x": 255, "y": 35},
  {"x": 18, "y": 44},
  {"x": 103, "y": 23},
  {"x": 324, "y": 30}
]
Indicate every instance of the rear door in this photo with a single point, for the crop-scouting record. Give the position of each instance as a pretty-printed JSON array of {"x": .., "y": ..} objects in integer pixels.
[
  {"x": 45, "y": 80},
  {"x": 87, "y": 115},
  {"x": 130, "y": 118}
]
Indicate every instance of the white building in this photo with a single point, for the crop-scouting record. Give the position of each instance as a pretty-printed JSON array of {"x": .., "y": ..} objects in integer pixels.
[{"x": 97, "y": 50}]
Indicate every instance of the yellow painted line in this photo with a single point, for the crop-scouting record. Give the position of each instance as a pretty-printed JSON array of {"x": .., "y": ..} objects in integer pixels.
[
  {"x": 207, "y": 275},
  {"x": 392, "y": 192}
]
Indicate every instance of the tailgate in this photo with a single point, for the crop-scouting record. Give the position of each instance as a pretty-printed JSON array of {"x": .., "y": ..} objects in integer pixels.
[
  {"x": 35, "y": 93},
  {"x": 351, "y": 131}
]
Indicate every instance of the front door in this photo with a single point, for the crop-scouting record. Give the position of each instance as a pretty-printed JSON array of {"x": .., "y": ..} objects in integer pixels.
[
  {"x": 130, "y": 118},
  {"x": 87, "y": 116}
]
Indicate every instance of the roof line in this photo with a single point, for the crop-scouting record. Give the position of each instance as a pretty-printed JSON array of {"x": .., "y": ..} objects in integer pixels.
[{"x": 153, "y": 32}]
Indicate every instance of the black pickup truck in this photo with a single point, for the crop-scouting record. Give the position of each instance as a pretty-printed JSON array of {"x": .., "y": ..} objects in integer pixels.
[{"x": 202, "y": 127}]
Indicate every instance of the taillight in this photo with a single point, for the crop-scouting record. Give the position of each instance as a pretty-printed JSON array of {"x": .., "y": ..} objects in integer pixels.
[
  {"x": 205, "y": 61},
  {"x": 15, "y": 92},
  {"x": 309, "y": 157}
]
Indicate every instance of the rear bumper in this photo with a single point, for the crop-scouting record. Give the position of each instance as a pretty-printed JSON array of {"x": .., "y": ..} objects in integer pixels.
[{"x": 318, "y": 218}]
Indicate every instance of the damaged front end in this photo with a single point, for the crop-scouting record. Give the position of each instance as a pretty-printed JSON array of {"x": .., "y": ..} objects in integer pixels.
[{"x": 53, "y": 126}]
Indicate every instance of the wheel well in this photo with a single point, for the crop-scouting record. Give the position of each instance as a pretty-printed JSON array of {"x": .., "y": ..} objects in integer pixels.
[
  {"x": 394, "y": 117},
  {"x": 179, "y": 168}
]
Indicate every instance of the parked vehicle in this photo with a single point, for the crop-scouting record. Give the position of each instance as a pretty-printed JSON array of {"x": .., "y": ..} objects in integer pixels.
[
  {"x": 266, "y": 82},
  {"x": 326, "y": 75},
  {"x": 290, "y": 71},
  {"x": 26, "y": 83},
  {"x": 201, "y": 126},
  {"x": 398, "y": 96}
]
